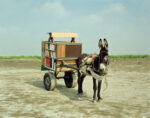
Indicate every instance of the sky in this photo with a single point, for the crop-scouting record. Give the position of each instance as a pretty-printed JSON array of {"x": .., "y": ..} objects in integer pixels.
[{"x": 124, "y": 23}]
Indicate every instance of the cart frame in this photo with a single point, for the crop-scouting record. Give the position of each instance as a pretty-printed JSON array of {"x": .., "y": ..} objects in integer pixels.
[{"x": 61, "y": 60}]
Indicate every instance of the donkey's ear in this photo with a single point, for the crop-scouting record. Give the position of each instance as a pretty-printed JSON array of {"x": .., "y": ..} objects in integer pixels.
[
  {"x": 105, "y": 44},
  {"x": 100, "y": 44}
]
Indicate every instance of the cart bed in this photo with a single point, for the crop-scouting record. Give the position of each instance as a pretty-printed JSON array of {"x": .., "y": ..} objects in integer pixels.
[{"x": 54, "y": 53}]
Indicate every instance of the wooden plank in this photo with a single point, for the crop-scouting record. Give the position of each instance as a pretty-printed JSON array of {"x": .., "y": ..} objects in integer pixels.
[
  {"x": 42, "y": 61},
  {"x": 63, "y": 35},
  {"x": 61, "y": 50},
  {"x": 62, "y": 43},
  {"x": 46, "y": 46},
  {"x": 66, "y": 43},
  {"x": 43, "y": 53},
  {"x": 67, "y": 58},
  {"x": 73, "y": 50},
  {"x": 43, "y": 46},
  {"x": 59, "y": 62},
  {"x": 65, "y": 68}
]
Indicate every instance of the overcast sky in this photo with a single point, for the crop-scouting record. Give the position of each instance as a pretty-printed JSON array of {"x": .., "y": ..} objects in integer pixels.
[{"x": 124, "y": 23}]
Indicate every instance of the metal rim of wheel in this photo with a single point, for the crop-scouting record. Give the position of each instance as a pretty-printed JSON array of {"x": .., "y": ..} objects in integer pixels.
[
  {"x": 70, "y": 79},
  {"x": 49, "y": 81}
]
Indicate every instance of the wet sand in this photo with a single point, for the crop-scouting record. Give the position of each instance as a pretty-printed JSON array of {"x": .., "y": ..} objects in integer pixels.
[{"x": 22, "y": 93}]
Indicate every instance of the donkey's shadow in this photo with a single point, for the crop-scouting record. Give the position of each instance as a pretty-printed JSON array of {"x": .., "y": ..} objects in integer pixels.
[{"x": 71, "y": 93}]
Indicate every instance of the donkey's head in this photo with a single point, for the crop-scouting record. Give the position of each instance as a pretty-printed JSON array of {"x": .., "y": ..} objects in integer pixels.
[{"x": 101, "y": 62}]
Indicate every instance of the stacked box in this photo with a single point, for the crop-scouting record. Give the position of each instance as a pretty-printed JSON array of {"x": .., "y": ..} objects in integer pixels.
[{"x": 54, "y": 53}]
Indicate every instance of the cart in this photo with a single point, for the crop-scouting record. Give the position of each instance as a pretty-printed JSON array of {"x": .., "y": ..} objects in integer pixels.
[{"x": 59, "y": 59}]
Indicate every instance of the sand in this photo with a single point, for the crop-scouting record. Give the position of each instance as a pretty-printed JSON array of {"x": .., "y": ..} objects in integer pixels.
[{"x": 22, "y": 93}]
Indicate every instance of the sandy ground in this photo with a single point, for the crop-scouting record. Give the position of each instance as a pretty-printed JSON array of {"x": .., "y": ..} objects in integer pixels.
[{"x": 22, "y": 93}]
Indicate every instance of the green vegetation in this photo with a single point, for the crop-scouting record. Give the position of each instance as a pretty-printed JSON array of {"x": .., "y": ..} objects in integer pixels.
[
  {"x": 39, "y": 57},
  {"x": 128, "y": 56},
  {"x": 20, "y": 57}
]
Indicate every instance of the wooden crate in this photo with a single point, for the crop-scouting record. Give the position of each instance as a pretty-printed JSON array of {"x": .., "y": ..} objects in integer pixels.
[{"x": 54, "y": 53}]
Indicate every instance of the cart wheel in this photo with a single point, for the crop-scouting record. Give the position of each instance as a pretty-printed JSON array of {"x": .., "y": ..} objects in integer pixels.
[
  {"x": 49, "y": 81},
  {"x": 70, "y": 79}
]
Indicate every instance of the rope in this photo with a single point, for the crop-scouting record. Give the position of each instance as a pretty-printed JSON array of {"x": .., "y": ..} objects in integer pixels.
[
  {"x": 98, "y": 77},
  {"x": 85, "y": 67},
  {"x": 106, "y": 83}
]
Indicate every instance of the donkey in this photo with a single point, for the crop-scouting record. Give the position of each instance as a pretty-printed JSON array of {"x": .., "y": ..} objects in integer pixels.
[{"x": 97, "y": 63}]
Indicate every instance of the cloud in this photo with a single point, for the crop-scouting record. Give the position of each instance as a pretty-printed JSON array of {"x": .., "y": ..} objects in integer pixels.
[
  {"x": 54, "y": 8},
  {"x": 112, "y": 10},
  {"x": 10, "y": 31},
  {"x": 115, "y": 8},
  {"x": 93, "y": 19}
]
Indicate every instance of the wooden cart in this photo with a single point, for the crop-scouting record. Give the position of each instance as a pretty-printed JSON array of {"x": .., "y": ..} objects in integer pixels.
[{"x": 60, "y": 57}]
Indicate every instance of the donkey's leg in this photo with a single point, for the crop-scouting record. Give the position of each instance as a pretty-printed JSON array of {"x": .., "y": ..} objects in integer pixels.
[
  {"x": 80, "y": 81},
  {"x": 94, "y": 89},
  {"x": 99, "y": 89}
]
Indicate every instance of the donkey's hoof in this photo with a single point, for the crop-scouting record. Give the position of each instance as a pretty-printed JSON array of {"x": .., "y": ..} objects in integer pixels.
[
  {"x": 99, "y": 99},
  {"x": 80, "y": 94},
  {"x": 94, "y": 101}
]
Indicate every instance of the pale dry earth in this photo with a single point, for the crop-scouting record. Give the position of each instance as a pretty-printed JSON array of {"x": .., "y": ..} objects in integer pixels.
[{"x": 22, "y": 93}]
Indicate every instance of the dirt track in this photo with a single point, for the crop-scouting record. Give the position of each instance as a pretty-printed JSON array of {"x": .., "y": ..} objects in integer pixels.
[{"x": 22, "y": 93}]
